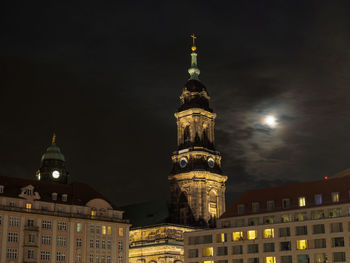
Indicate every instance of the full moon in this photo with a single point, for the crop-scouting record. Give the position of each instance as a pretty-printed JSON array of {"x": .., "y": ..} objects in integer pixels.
[{"x": 270, "y": 121}]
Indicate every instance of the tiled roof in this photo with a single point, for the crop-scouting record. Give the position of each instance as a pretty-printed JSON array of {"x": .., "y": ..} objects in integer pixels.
[
  {"x": 77, "y": 193},
  {"x": 308, "y": 190}
]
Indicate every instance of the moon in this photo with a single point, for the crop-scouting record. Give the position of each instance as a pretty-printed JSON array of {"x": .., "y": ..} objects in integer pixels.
[{"x": 270, "y": 121}]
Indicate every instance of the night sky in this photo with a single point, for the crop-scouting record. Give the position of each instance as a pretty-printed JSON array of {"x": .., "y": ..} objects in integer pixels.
[{"x": 106, "y": 76}]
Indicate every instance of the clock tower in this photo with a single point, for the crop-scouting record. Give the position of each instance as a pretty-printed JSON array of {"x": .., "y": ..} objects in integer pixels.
[
  {"x": 52, "y": 166},
  {"x": 197, "y": 185}
]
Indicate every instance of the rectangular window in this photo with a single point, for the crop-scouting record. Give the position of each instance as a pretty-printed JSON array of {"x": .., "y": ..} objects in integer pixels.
[
  {"x": 320, "y": 243},
  {"x": 285, "y": 203},
  {"x": 221, "y": 237},
  {"x": 61, "y": 241},
  {"x": 240, "y": 209},
  {"x": 270, "y": 205},
  {"x": 109, "y": 230},
  {"x": 337, "y": 242},
  {"x": 104, "y": 230},
  {"x": 269, "y": 233},
  {"x": 120, "y": 259},
  {"x": 193, "y": 253},
  {"x": 97, "y": 244},
  {"x": 91, "y": 243},
  {"x": 339, "y": 256},
  {"x": 285, "y": 246},
  {"x": 28, "y": 206},
  {"x": 62, "y": 226},
  {"x": 301, "y": 244},
  {"x": 251, "y": 234},
  {"x": 14, "y": 221},
  {"x": 109, "y": 259},
  {"x": 286, "y": 218},
  {"x": 238, "y": 260},
  {"x": 301, "y": 230},
  {"x": 253, "y": 260},
  {"x": 335, "y": 197},
  {"x": 60, "y": 256},
  {"x": 318, "y": 214},
  {"x": 12, "y": 237},
  {"x": 79, "y": 242},
  {"x": 268, "y": 219},
  {"x": 222, "y": 261},
  {"x": 255, "y": 207},
  {"x": 30, "y": 222},
  {"x": 318, "y": 199},
  {"x": 121, "y": 231},
  {"x": 108, "y": 244},
  {"x": 301, "y": 216},
  {"x": 78, "y": 258},
  {"x": 301, "y": 201},
  {"x": 270, "y": 259},
  {"x": 284, "y": 232},
  {"x": 92, "y": 229},
  {"x": 91, "y": 258},
  {"x": 318, "y": 229},
  {"x": 120, "y": 246},
  {"x": 335, "y": 212},
  {"x": 253, "y": 248},
  {"x": 254, "y": 221},
  {"x": 286, "y": 259},
  {"x": 98, "y": 230},
  {"x": 336, "y": 227},
  {"x": 45, "y": 255},
  {"x": 237, "y": 250},
  {"x": 269, "y": 247},
  {"x": 237, "y": 236},
  {"x": 46, "y": 224},
  {"x": 12, "y": 253},
  {"x": 79, "y": 227},
  {"x": 222, "y": 251},
  {"x": 208, "y": 252},
  {"x": 239, "y": 222},
  {"x": 30, "y": 254},
  {"x": 321, "y": 257},
  {"x": 31, "y": 238},
  {"x": 46, "y": 240},
  {"x": 103, "y": 244}
]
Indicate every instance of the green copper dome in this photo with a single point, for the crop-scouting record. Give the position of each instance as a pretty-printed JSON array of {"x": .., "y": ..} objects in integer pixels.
[{"x": 53, "y": 152}]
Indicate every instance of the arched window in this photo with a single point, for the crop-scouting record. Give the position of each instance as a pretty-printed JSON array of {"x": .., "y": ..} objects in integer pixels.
[
  {"x": 212, "y": 204},
  {"x": 187, "y": 136}
]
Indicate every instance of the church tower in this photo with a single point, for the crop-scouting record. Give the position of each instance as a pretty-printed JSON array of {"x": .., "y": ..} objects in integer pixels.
[
  {"x": 52, "y": 165},
  {"x": 197, "y": 185}
]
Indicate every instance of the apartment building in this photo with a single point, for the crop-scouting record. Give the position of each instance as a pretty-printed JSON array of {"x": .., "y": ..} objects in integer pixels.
[{"x": 297, "y": 223}]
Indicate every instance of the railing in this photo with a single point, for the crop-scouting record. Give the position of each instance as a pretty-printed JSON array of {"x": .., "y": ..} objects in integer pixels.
[{"x": 62, "y": 214}]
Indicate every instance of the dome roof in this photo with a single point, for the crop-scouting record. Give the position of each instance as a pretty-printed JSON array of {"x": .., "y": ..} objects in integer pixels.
[
  {"x": 53, "y": 152},
  {"x": 194, "y": 95}
]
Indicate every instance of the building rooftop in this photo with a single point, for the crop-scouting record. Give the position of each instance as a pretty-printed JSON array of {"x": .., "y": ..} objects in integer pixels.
[{"x": 330, "y": 191}]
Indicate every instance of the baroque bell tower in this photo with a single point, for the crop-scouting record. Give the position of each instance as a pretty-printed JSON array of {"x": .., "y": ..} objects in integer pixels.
[{"x": 197, "y": 185}]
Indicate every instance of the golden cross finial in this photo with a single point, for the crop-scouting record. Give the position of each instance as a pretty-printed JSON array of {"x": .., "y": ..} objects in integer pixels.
[
  {"x": 54, "y": 138},
  {"x": 193, "y": 42}
]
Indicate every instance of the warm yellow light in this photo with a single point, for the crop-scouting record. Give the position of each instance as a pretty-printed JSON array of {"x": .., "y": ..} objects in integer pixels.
[
  {"x": 208, "y": 261},
  {"x": 236, "y": 236},
  {"x": 251, "y": 234},
  {"x": 93, "y": 212},
  {"x": 270, "y": 260},
  {"x": 222, "y": 237},
  {"x": 109, "y": 230},
  {"x": 269, "y": 233},
  {"x": 301, "y": 244},
  {"x": 270, "y": 121},
  {"x": 29, "y": 206},
  {"x": 104, "y": 231},
  {"x": 208, "y": 252},
  {"x": 121, "y": 232},
  {"x": 302, "y": 201}
]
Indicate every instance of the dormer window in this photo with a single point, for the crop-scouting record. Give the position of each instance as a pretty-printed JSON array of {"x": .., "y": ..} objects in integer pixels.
[
  {"x": 29, "y": 192},
  {"x": 318, "y": 199},
  {"x": 270, "y": 205},
  {"x": 285, "y": 203},
  {"x": 255, "y": 207},
  {"x": 64, "y": 197},
  {"x": 240, "y": 209},
  {"x": 54, "y": 196},
  {"x": 1, "y": 189},
  {"x": 335, "y": 197}
]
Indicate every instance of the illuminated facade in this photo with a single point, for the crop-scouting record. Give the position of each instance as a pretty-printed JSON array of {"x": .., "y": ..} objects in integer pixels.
[
  {"x": 51, "y": 220},
  {"x": 300, "y": 223},
  {"x": 197, "y": 186}
]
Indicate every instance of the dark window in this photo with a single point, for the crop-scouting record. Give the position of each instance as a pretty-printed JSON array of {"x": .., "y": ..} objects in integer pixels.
[
  {"x": 318, "y": 229},
  {"x": 286, "y": 203},
  {"x": 238, "y": 260},
  {"x": 253, "y": 248},
  {"x": 237, "y": 250},
  {"x": 269, "y": 247},
  {"x": 286, "y": 259},
  {"x": 320, "y": 243},
  {"x": 284, "y": 232},
  {"x": 284, "y": 246},
  {"x": 336, "y": 227},
  {"x": 253, "y": 260},
  {"x": 193, "y": 253},
  {"x": 301, "y": 230},
  {"x": 222, "y": 251},
  {"x": 337, "y": 242},
  {"x": 339, "y": 256}
]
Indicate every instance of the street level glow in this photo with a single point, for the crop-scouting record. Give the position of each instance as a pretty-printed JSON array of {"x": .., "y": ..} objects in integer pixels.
[{"x": 270, "y": 121}]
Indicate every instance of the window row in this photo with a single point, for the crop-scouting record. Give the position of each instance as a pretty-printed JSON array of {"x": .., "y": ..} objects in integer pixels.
[
  {"x": 97, "y": 243},
  {"x": 101, "y": 259}
]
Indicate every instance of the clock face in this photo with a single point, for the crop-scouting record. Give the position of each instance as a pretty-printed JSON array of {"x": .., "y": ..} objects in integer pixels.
[
  {"x": 55, "y": 174},
  {"x": 211, "y": 162},
  {"x": 183, "y": 162}
]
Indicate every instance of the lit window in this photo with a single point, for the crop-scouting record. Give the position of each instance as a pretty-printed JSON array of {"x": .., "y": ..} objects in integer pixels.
[
  {"x": 301, "y": 201},
  {"x": 93, "y": 212},
  {"x": 29, "y": 206},
  {"x": 79, "y": 227},
  {"x": 251, "y": 234},
  {"x": 335, "y": 197},
  {"x": 208, "y": 261},
  {"x": 221, "y": 237},
  {"x": 301, "y": 244},
  {"x": 318, "y": 199},
  {"x": 208, "y": 252},
  {"x": 270, "y": 259},
  {"x": 121, "y": 231},
  {"x": 236, "y": 236},
  {"x": 286, "y": 218},
  {"x": 109, "y": 230},
  {"x": 104, "y": 231},
  {"x": 269, "y": 233}
]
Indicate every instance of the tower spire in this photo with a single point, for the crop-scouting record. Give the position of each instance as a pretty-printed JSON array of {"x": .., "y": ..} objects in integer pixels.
[{"x": 194, "y": 70}]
